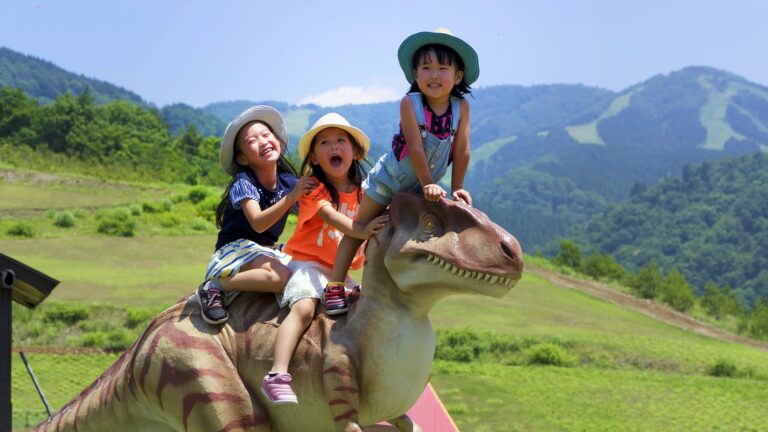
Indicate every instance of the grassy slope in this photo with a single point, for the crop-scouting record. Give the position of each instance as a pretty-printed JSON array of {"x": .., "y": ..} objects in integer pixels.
[{"x": 632, "y": 373}]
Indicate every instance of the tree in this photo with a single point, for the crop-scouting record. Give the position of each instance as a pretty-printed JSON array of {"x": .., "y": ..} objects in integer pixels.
[
  {"x": 647, "y": 282},
  {"x": 676, "y": 292},
  {"x": 720, "y": 302},
  {"x": 602, "y": 266},
  {"x": 569, "y": 255}
]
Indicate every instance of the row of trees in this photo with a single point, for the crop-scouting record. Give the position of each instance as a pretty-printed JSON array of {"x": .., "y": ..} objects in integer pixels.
[
  {"x": 119, "y": 139},
  {"x": 711, "y": 225},
  {"x": 649, "y": 282}
]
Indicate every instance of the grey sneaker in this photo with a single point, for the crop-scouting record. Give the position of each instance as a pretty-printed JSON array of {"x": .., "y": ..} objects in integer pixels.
[{"x": 211, "y": 301}]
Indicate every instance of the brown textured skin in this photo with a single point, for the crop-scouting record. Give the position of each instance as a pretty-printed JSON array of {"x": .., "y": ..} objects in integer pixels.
[{"x": 360, "y": 368}]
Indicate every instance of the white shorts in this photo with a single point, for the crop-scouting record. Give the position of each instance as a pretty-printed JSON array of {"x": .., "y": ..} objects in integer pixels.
[{"x": 308, "y": 281}]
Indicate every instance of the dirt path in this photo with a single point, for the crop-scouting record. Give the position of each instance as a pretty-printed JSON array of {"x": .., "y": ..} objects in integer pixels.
[{"x": 646, "y": 307}]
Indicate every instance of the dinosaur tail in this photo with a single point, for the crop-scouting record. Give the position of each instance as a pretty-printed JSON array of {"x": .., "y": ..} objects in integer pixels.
[{"x": 111, "y": 399}]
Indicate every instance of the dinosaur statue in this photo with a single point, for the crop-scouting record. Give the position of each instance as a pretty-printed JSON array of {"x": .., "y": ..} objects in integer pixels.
[{"x": 358, "y": 369}]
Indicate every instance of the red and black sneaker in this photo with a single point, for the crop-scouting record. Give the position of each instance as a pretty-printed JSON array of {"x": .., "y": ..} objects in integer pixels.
[
  {"x": 211, "y": 301},
  {"x": 335, "y": 299}
]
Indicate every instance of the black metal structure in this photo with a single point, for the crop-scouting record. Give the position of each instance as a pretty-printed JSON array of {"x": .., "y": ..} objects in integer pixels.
[{"x": 28, "y": 287}]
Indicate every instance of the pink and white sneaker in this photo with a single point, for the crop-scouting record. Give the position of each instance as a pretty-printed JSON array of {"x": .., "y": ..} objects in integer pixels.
[{"x": 278, "y": 388}]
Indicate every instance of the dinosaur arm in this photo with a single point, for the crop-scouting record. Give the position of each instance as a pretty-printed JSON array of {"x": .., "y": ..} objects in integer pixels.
[{"x": 342, "y": 391}]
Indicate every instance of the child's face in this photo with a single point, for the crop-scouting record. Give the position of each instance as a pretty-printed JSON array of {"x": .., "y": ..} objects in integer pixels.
[
  {"x": 259, "y": 147},
  {"x": 436, "y": 80},
  {"x": 334, "y": 152}
]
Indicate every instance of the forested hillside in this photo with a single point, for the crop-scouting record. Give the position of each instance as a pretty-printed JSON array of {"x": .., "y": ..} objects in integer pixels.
[
  {"x": 711, "y": 224},
  {"x": 118, "y": 140},
  {"x": 44, "y": 81},
  {"x": 544, "y": 158}
]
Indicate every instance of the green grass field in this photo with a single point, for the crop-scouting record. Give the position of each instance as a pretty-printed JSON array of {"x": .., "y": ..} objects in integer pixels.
[{"x": 629, "y": 372}]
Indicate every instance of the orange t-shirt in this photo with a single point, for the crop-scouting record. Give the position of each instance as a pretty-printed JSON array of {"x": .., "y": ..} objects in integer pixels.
[{"x": 315, "y": 240}]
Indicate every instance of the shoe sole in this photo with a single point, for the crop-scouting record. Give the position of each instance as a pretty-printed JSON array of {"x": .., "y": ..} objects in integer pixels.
[
  {"x": 205, "y": 318},
  {"x": 336, "y": 311},
  {"x": 279, "y": 402}
]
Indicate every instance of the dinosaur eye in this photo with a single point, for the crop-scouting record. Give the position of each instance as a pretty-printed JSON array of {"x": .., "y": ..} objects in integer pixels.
[{"x": 429, "y": 226}]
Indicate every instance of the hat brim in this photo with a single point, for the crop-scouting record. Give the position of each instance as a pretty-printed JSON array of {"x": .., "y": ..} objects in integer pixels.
[
  {"x": 415, "y": 41},
  {"x": 263, "y": 113},
  {"x": 306, "y": 140}
]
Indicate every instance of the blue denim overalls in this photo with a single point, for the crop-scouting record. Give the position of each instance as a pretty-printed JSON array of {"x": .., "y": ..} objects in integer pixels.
[{"x": 390, "y": 176}]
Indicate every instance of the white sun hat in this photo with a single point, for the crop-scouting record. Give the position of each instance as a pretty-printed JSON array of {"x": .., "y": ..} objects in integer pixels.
[{"x": 263, "y": 113}]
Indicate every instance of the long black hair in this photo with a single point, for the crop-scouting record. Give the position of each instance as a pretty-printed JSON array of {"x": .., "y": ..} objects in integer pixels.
[
  {"x": 445, "y": 56},
  {"x": 356, "y": 173},
  {"x": 283, "y": 166}
]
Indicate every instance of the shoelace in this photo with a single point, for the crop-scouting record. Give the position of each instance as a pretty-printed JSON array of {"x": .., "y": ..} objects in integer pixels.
[{"x": 214, "y": 299}]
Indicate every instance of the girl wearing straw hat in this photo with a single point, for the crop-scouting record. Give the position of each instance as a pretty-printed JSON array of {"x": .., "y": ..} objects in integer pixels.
[
  {"x": 434, "y": 132},
  {"x": 332, "y": 151},
  {"x": 252, "y": 212}
]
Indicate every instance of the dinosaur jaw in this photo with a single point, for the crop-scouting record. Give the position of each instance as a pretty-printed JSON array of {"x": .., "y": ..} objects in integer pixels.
[{"x": 476, "y": 281}]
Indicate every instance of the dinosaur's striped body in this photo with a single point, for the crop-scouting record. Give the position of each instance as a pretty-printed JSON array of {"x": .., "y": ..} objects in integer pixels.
[{"x": 360, "y": 368}]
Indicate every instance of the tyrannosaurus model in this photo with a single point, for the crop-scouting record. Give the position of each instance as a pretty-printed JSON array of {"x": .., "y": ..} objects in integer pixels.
[{"x": 358, "y": 369}]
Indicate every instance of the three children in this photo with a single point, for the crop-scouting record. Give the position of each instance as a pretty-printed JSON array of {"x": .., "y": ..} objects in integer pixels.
[{"x": 334, "y": 219}]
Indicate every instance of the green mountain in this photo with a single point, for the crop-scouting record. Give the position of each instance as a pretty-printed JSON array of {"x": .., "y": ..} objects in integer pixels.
[
  {"x": 45, "y": 81},
  {"x": 711, "y": 224},
  {"x": 641, "y": 134},
  {"x": 544, "y": 158}
]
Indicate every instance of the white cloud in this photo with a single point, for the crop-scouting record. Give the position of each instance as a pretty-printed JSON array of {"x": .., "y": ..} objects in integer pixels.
[{"x": 352, "y": 95}]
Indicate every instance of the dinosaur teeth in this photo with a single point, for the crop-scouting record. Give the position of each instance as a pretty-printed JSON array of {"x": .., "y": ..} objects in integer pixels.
[{"x": 469, "y": 274}]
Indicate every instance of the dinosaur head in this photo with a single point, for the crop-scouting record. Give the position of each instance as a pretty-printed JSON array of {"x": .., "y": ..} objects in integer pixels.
[{"x": 439, "y": 248}]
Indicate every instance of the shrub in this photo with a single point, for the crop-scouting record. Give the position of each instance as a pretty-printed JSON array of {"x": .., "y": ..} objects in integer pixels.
[
  {"x": 64, "y": 220},
  {"x": 135, "y": 209},
  {"x": 549, "y": 354},
  {"x": 197, "y": 194},
  {"x": 200, "y": 224},
  {"x": 66, "y": 313},
  {"x": 138, "y": 317},
  {"x": 602, "y": 266},
  {"x": 22, "y": 229},
  {"x": 723, "y": 368},
  {"x": 117, "y": 223}
]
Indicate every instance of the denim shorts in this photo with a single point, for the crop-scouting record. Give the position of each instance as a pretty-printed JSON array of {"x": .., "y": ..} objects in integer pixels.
[{"x": 390, "y": 176}]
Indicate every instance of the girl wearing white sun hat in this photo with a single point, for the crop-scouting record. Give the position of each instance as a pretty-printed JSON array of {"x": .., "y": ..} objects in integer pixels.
[{"x": 252, "y": 212}]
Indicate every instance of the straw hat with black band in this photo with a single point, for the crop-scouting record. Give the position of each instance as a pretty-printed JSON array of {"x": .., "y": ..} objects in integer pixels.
[{"x": 333, "y": 120}]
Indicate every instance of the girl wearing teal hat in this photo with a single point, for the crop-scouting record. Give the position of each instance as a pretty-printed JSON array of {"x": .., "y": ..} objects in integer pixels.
[{"x": 434, "y": 132}]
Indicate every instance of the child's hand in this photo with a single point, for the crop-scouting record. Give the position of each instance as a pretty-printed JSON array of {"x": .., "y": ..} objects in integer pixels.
[
  {"x": 461, "y": 195},
  {"x": 433, "y": 192},
  {"x": 303, "y": 186},
  {"x": 376, "y": 225}
]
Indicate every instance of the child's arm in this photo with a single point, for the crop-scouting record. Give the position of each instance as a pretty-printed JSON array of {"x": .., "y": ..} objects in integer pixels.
[
  {"x": 415, "y": 145},
  {"x": 348, "y": 226},
  {"x": 461, "y": 156},
  {"x": 262, "y": 220}
]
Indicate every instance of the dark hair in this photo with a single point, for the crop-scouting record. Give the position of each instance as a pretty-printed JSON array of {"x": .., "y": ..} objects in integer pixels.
[
  {"x": 283, "y": 166},
  {"x": 445, "y": 56},
  {"x": 356, "y": 173}
]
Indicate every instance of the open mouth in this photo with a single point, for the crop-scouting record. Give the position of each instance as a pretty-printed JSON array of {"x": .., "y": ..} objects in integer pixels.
[
  {"x": 470, "y": 274},
  {"x": 336, "y": 161}
]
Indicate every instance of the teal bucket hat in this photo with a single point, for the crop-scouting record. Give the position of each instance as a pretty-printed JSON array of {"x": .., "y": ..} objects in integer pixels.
[{"x": 441, "y": 36}]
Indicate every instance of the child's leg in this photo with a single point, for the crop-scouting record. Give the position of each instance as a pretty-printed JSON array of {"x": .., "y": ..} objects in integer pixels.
[
  {"x": 367, "y": 211},
  {"x": 263, "y": 274},
  {"x": 290, "y": 330},
  {"x": 276, "y": 386}
]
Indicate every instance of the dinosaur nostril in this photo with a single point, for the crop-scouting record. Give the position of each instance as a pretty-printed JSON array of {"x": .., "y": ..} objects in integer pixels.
[{"x": 508, "y": 250}]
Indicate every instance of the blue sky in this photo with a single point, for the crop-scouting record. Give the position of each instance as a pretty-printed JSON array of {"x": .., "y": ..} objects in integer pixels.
[{"x": 334, "y": 52}]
